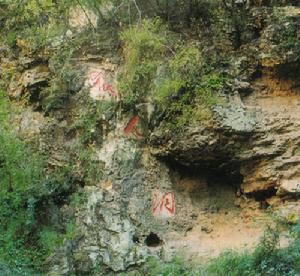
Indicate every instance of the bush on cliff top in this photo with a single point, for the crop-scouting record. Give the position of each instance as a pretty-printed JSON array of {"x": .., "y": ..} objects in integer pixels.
[
  {"x": 143, "y": 53},
  {"x": 173, "y": 73}
]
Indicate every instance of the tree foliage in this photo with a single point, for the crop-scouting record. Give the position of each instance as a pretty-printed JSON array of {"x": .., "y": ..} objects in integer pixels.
[{"x": 24, "y": 242}]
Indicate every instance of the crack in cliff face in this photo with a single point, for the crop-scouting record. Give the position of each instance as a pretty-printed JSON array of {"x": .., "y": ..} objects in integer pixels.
[
  {"x": 290, "y": 71},
  {"x": 263, "y": 196}
]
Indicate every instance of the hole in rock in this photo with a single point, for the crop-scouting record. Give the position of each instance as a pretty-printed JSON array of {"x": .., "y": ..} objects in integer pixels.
[
  {"x": 152, "y": 240},
  {"x": 135, "y": 239},
  {"x": 213, "y": 173},
  {"x": 290, "y": 70},
  {"x": 261, "y": 196}
]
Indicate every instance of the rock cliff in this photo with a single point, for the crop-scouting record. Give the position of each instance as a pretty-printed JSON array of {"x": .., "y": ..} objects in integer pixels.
[{"x": 151, "y": 190}]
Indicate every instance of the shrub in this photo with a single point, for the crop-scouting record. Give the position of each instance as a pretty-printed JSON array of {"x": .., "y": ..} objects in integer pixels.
[
  {"x": 55, "y": 96},
  {"x": 143, "y": 52},
  {"x": 190, "y": 85},
  {"x": 49, "y": 239},
  {"x": 90, "y": 166},
  {"x": 24, "y": 241},
  {"x": 11, "y": 39},
  {"x": 175, "y": 267},
  {"x": 36, "y": 22},
  {"x": 267, "y": 259},
  {"x": 20, "y": 178},
  {"x": 178, "y": 78},
  {"x": 182, "y": 70}
]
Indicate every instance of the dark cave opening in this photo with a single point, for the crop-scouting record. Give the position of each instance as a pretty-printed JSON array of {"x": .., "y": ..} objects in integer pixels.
[
  {"x": 153, "y": 240},
  {"x": 214, "y": 173},
  {"x": 262, "y": 196},
  {"x": 230, "y": 176},
  {"x": 289, "y": 70},
  {"x": 212, "y": 188}
]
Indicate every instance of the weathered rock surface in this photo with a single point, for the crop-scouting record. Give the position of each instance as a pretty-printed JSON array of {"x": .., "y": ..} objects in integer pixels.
[
  {"x": 31, "y": 80},
  {"x": 260, "y": 138},
  {"x": 196, "y": 191},
  {"x": 256, "y": 132}
]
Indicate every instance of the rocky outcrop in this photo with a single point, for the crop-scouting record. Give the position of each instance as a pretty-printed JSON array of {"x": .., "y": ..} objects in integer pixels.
[
  {"x": 256, "y": 132},
  {"x": 275, "y": 153},
  {"x": 30, "y": 81},
  {"x": 260, "y": 140},
  {"x": 196, "y": 191}
]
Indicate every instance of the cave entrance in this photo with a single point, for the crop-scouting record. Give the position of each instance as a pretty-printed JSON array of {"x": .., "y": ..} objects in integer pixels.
[
  {"x": 206, "y": 188},
  {"x": 264, "y": 194},
  {"x": 212, "y": 214},
  {"x": 153, "y": 240}
]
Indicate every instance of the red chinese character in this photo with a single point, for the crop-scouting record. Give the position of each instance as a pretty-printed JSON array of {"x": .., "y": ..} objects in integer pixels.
[
  {"x": 163, "y": 204},
  {"x": 131, "y": 127},
  {"x": 169, "y": 202},
  {"x": 97, "y": 81}
]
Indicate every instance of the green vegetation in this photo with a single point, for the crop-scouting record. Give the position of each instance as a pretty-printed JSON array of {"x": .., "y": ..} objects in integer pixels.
[
  {"x": 286, "y": 36},
  {"x": 175, "y": 267},
  {"x": 55, "y": 96},
  {"x": 28, "y": 190},
  {"x": 267, "y": 259},
  {"x": 181, "y": 81},
  {"x": 19, "y": 175},
  {"x": 19, "y": 181},
  {"x": 91, "y": 167},
  {"x": 25, "y": 22},
  {"x": 91, "y": 122},
  {"x": 143, "y": 53},
  {"x": 49, "y": 239},
  {"x": 25, "y": 242}
]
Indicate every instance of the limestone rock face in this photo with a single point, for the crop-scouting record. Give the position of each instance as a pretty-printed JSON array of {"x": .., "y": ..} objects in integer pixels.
[
  {"x": 256, "y": 131},
  {"x": 277, "y": 161},
  {"x": 30, "y": 80},
  {"x": 195, "y": 191},
  {"x": 260, "y": 138}
]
